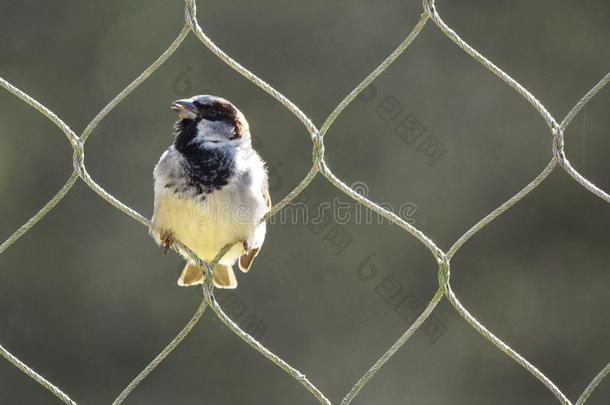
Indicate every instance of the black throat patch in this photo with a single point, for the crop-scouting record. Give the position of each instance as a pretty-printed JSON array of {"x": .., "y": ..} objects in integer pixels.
[{"x": 207, "y": 169}]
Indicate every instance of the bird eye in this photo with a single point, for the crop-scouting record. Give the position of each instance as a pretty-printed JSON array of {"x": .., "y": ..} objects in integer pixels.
[{"x": 213, "y": 112}]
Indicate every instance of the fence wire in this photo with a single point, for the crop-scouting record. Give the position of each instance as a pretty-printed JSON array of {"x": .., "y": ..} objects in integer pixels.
[{"x": 319, "y": 165}]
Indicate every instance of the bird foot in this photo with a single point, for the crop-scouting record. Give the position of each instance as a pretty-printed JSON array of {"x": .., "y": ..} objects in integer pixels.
[{"x": 167, "y": 240}]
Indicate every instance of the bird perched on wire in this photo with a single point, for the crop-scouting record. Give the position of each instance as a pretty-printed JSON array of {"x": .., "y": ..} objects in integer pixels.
[{"x": 211, "y": 189}]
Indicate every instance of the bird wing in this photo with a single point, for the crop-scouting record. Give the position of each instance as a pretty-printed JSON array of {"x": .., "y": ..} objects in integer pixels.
[{"x": 246, "y": 259}]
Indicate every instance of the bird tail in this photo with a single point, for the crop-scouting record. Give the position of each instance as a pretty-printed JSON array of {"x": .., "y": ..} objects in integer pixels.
[
  {"x": 193, "y": 275},
  {"x": 245, "y": 261}
]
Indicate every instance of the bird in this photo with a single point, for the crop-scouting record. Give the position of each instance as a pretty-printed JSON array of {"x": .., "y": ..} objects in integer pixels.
[{"x": 211, "y": 188}]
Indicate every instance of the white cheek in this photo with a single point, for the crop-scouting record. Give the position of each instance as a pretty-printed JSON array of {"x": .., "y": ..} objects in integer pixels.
[{"x": 213, "y": 131}]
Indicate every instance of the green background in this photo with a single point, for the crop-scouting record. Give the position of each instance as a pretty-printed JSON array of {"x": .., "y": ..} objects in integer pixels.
[{"x": 87, "y": 299}]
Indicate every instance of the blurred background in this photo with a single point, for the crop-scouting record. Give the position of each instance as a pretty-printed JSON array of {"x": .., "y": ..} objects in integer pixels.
[{"x": 87, "y": 299}]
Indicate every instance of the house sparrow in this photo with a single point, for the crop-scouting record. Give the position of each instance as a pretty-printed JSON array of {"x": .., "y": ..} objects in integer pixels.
[{"x": 211, "y": 189}]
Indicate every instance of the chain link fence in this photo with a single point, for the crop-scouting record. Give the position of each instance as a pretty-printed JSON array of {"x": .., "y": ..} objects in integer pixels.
[{"x": 319, "y": 165}]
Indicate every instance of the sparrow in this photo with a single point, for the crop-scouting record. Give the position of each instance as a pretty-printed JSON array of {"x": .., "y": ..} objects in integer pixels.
[{"x": 210, "y": 189}]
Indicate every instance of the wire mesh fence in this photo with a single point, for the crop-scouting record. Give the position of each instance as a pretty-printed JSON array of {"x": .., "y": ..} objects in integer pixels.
[{"x": 319, "y": 165}]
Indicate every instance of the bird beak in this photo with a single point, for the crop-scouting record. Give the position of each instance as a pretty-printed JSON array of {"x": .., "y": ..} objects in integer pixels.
[{"x": 185, "y": 109}]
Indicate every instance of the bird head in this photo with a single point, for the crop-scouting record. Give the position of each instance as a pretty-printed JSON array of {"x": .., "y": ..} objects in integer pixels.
[{"x": 210, "y": 121}]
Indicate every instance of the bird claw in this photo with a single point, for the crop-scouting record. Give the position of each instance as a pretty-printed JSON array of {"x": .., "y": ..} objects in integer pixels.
[{"x": 167, "y": 241}]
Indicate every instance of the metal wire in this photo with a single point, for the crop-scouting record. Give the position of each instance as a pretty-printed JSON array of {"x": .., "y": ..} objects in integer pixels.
[{"x": 319, "y": 165}]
